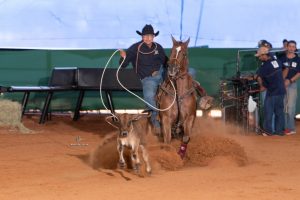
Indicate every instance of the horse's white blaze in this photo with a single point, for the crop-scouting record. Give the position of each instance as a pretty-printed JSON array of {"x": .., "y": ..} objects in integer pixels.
[{"x": 178, "y": 49}]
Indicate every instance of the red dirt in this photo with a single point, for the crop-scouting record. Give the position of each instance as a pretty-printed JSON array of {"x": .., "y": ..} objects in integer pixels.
[{"x": 222, "y": 163}]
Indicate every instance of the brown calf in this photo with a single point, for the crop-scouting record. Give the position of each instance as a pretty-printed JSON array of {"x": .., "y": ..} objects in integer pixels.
[{"x": 132, "y": 133}]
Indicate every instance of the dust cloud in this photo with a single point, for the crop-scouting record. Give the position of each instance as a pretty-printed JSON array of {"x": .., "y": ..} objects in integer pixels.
[{"x": 211, "y": 145}]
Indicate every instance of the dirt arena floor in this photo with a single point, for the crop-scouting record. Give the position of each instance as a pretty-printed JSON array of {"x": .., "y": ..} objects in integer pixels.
[{"x": 222, "y": 163}]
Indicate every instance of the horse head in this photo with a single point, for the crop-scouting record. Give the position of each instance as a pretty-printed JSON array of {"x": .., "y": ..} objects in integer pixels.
[{"x": 178, "y": 61}]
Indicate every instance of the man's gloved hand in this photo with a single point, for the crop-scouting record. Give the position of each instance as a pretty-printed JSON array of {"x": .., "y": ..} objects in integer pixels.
[{"x": 122, "y": 53}]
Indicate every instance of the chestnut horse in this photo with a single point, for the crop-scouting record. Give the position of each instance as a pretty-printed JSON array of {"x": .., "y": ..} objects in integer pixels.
[{"x": 183, "y": 112}]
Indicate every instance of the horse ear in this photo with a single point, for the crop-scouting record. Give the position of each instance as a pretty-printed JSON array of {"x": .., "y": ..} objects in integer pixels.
[
  {"x": 174, "y": 41},
  {"x": 187, "y": 42}
]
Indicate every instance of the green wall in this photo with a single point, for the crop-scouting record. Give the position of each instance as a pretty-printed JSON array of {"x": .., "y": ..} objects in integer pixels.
[{"x": 33, "y": 67}]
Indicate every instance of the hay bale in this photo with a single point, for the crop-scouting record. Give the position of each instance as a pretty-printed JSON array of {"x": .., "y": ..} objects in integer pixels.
[{"x": 10, "y": 115}]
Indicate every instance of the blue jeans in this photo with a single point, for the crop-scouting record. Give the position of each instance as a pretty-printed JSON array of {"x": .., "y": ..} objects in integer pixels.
[
  {"x": 150, "y": 86},
  {"x": 273, "y": 105},
  {"x": 193, "y": 72},
  {"x": 263, "y": 97},
  {"x": 290, "y": 101}
]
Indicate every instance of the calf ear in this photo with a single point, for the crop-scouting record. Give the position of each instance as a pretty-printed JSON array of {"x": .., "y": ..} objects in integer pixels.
[
  {"x": 136, "y": 117},
  {"x": 139, "y": 116},
  {"x": 113, "y": 121}
]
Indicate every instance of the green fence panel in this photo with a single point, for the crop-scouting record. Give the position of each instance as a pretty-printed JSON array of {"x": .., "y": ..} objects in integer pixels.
[{"x": 33, "y": 67}]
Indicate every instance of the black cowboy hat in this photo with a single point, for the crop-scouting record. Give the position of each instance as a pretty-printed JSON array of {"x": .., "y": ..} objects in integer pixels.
[{"x": 148, "y": 29}]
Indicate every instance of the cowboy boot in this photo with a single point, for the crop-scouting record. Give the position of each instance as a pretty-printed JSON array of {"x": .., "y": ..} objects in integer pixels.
[{"x": 200, "y": 90}]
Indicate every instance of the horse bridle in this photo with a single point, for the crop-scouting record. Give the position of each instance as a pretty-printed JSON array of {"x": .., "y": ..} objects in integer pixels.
[{"x": 177, "y": 62}]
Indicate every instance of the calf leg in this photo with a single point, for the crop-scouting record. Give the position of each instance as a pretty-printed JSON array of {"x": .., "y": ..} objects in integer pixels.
[
  {"x": 135, "y": 159},
  {"x": 122, "y": 162},
  {"x": 146, "y": 159}
]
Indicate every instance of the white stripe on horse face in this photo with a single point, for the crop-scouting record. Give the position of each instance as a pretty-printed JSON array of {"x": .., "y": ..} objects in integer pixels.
[{"x": 178, "y": 49}]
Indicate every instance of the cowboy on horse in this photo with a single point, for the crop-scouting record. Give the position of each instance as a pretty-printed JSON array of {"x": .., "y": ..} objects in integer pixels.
[{"x": 150, "y": 63}]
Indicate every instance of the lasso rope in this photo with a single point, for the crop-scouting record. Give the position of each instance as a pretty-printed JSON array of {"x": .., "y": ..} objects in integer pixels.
[{"x": 117, "y": 76}]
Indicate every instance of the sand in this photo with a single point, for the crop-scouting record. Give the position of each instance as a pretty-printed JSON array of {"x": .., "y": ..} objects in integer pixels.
[{"x": 78, "y": 160}]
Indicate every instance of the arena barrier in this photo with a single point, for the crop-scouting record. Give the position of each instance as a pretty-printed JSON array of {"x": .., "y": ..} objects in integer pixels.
[{"x": 78, "y": 80}]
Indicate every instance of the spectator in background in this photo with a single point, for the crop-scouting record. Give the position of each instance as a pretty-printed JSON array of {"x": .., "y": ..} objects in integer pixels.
[
  {"x": 283, "y": 49},
  {"x": 268, "y": 45},
  {"x": 291, "y": 73},
  {"x": 284, "y": 44},
  {"x": 269, "y": 77},
  {"x": 264, "y": 43}
]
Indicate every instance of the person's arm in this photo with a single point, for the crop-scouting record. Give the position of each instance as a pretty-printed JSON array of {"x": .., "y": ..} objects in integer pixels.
[
  {"x": 123, "y": 56},
  {"x": 294, "y": 78},
  {"x": 162, "y": 56},
  {"x": 165, "y": 65},
  {"x": 285, "y": 69},
  {"x": 261, "y": 86},
  {"x": 129, "y": 56},
  {"x": 122, "y": 53},
  {"x": 285, "y": 72}
]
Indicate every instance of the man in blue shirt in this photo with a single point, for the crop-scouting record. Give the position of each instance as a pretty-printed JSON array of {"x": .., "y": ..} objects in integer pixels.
[
  {"x": 291, "y": 72},
  {"x": 148, "y": 59},
  {"x": 270, "y": 78}
]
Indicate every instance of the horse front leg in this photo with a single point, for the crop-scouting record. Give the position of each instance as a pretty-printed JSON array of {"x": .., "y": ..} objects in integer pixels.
[
  {"x": 187, "y": 127},
  {"x": 166, "y": 129}
]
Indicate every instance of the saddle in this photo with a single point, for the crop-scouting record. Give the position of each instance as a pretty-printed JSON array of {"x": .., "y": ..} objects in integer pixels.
[{"x": 204, "y": 101}]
